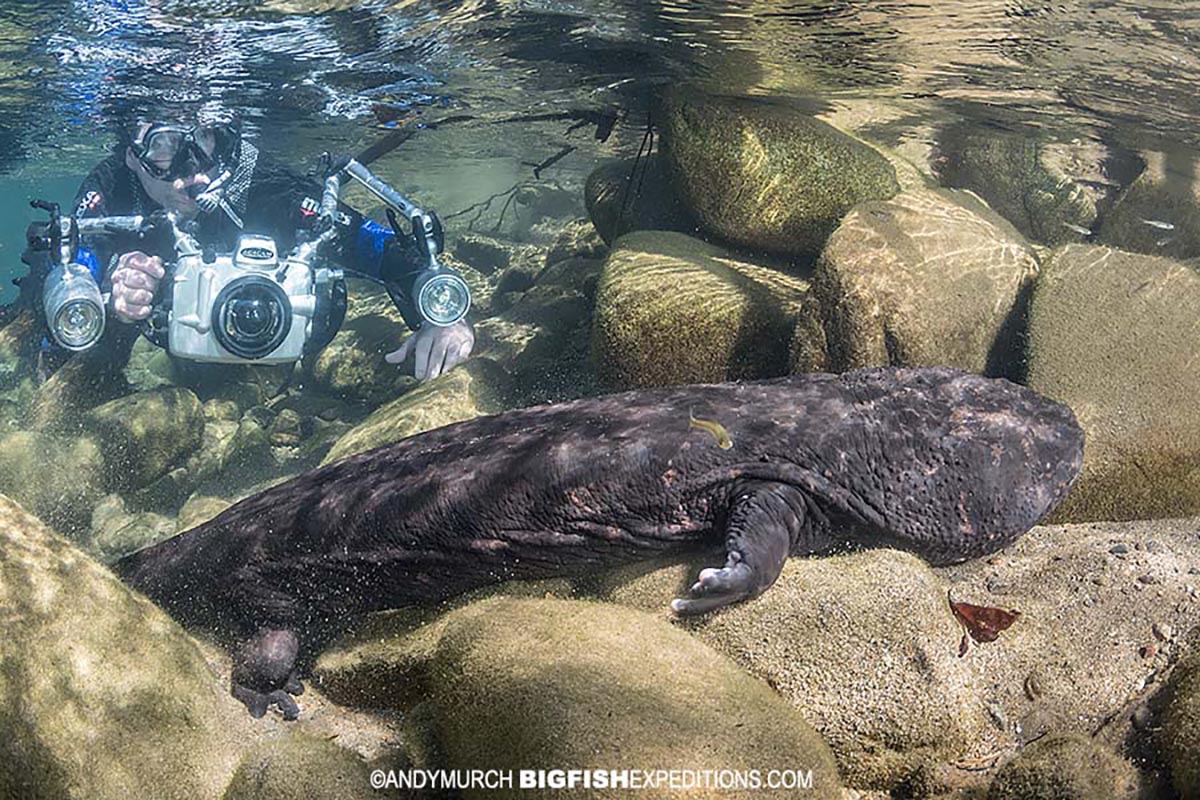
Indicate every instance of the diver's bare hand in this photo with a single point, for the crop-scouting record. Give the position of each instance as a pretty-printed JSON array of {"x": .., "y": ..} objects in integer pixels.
[
  {"x": 436, "y": 349},
  {"x": 134, "y": 282}
]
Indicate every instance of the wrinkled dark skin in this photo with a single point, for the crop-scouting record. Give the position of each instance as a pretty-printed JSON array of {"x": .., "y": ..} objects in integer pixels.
[{"x": 941, "y": 463}]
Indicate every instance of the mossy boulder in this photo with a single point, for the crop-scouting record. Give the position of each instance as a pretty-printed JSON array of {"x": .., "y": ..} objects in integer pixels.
[
  {"x": 1180, "y": 736},
  {"x": 198, "y": 509},
  {"x": 59, "y": 479},
  {"x": 102, "y": 696},
  {"x": 1159, "y": 213},
  {"x": 930, "y": 277},
  {"x": 671, "y": 309},
  {"x": 296, "y": 766},
  {"x": 621, "y": 199},
  {"x": 472, "y": 389},
  {"x": 1047, "y": 189},
  {"x": 117, "y": 532},
  {"x": 352, "y": 366},
  {"x": 144, "y": 435},
  {"x": 765, "y": 176},
  {"x": 537, "y": 684},
  {"x": 865, "y": 648},
  {"x": 1114, "y": 335},
  {"x": 84, "y": 382},
  {"x": 1066, "y": 767}
]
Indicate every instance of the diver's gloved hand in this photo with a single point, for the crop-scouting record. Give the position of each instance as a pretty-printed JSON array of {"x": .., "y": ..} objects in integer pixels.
[
  {"x": 437, "y": 349},
  {"x": 134, "y": 282}
]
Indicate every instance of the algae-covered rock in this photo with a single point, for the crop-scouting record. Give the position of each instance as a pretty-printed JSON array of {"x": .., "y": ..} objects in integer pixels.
[
  {"x": 1159, "y": 213},
  {"x": 630, "y": 195},
  {"x": 671, "y": 310},
  {"x": 1070, "y": 767},
  {"x": 865, "y": 648},
  {"x": 538, "y": 684},
  {"x": 84, "y": 382},
  {"x": 764, "y": 175},
  {"x": 1051, "y": 191},
  {"x": 116, "y": 532},
  {"x": 352, "y": 366},
  {"x": 198, "y": 509},
  {"x": 143, "y": 435},
  {"x": 102, "y": 696},
  {"x": 1180, "y": 736},
  {"x": 868, "y": 650},
  {"x": 59, "y": 479},
  {"x": 1114, "y": 335},
  {"x": 474, "y": 388},
  {"x": 930, "y": 277},
  {"x": 295, "y": 766}
]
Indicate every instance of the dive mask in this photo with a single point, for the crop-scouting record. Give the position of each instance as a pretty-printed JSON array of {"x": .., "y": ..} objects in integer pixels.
[{"x": 185, "y": 150}]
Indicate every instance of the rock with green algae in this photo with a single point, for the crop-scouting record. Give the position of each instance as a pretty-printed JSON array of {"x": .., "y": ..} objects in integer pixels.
[
  {"x": 929, "y": 277},
  {"x": 628, "y": 195},
  {"x": 1114, "y": 335},
  {"x": 102, "y": 696},
  {"x": 538, "y": 684},
  {"x": 1159, "y": 214},
  {"x": 297, "y": 766},
  {"x": 1065, "y": 767},
  {"x": 1179, "y": 739},
  {"x": 1051, "y": 191},
  {"x": 862, "y": 645},
  {"x": 766, "y": 176},
  {"x": 472, "y": 389},
  {"x": 671, "y": 309},
  {"x": 58, "y": 478},
  {"x": 144, "y": 435}
]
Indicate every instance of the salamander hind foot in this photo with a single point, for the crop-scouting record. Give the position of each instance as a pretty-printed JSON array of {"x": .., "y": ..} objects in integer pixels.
[{"x": 264, "y": 673}]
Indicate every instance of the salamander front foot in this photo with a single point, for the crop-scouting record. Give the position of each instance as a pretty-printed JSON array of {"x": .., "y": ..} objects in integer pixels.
[{"x": 715, "y": 588}]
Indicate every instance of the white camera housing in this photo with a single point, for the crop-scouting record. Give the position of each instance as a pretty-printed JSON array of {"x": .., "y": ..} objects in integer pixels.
[{"x": 204, "y": 322}]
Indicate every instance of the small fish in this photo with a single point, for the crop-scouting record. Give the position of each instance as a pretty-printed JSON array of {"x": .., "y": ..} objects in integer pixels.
[
  {"x": 715, "y": 428},
  {"x": 1164, "y": 242},
  {"x": 1082, "y": 231},
  {"x": 1158, "y": 223}
]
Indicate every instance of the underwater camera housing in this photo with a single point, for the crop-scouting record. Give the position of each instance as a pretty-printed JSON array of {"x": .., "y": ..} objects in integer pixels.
[{"x": 250, "y": 305}]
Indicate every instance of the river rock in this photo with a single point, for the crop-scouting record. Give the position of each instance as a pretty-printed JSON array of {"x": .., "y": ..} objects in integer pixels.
[
  {"x": 103, "y": 696},
  {"x": 540, "y": 684},
  {"x": 1051, "y": 191},
  {"x": 1069, "y": 767},
  {"x": 867, "y": 649},
  {"x": 474, "y": 388},
  {"x": 143, "y": 435},
  {"x": 1159, "y": 213},
  {"x": 299, "y": 766},
  {"x": 671, "y": 310},
  {"x": 765, "y": 176},
  {"x": 59, "y": 479},
  {"x": 621, "y": 199},
  {"x": 930, "y": 277},
  {"x": 1114, "y": 335},
  {"x": 1180, "y": 736}
]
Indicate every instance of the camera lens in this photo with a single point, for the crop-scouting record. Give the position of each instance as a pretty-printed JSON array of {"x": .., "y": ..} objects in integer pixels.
[
  {"x": 444, "y": 299},
  {"x": 253, "y": 317}
]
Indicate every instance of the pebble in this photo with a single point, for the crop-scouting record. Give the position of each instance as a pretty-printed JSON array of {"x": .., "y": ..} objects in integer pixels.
[
  {"x": 1142, "y": 717},
  {"x": 1194, "y": 571},
  {"x": 1155, "y": 546},
  {"x": 997, "y": 714},
  {"x": 1033, "y": 686},
  {"x": 1163, "y": 631},
  {"x": 999, "y": 586},
  {"x": 1148, "y": 579},
  {"x": 1101, "y": 580},
  {"x": 1119, "y": 549},
  {"x": 1147, "y": 651}
]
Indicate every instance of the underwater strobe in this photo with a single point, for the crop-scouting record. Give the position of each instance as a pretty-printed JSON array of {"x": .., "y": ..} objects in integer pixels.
[{"x": 70, "y": 295}]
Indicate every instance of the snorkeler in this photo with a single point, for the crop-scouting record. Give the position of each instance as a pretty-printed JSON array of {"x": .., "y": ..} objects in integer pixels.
[{"x": 173, "y": 165}]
